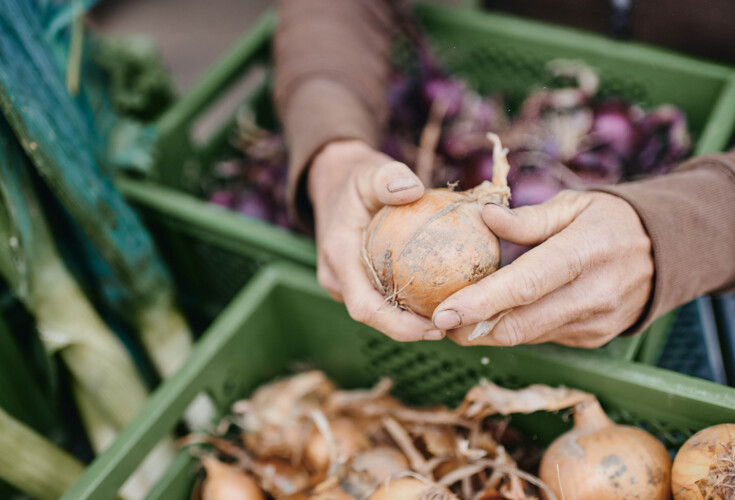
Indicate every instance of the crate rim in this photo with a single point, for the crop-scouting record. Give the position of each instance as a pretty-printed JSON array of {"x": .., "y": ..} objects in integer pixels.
[{"x": 587, "y": 41}]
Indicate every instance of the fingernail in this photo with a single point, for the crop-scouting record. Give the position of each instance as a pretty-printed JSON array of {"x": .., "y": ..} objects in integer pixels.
[
  {"x": 500, "y": 205},
  {"x": 402, "y": 185},
  {"x": 446, "y": 320},
  {"x": 434, "y": 335}
]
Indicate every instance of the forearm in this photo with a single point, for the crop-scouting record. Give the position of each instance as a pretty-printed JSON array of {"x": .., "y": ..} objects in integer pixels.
[
  {"x": 331, "y": 73},
  {"x": 690, "y": 218}
]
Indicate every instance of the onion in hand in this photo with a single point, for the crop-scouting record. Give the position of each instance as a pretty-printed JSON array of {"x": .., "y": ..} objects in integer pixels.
[{"x": 420, "y": 253}]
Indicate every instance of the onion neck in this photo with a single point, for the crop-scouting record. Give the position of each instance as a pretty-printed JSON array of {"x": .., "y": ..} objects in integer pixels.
[
  {"x": 487, "y": 192},
  {"x": 590, "y": 416}
]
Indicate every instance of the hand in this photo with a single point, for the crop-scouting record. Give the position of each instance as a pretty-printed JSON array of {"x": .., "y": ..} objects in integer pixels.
[
  {"x": 348, "y": 182},
  {"x": 588, "y": 280}
]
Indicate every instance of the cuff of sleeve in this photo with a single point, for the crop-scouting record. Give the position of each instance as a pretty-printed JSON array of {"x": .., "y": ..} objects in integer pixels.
[
  {"x": 320, "y": 111},
  {"x": 689, "y": 216}
]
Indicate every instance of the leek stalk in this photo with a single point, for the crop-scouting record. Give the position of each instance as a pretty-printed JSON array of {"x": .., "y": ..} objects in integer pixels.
[
  {"x": 60, "y": 141},
  {"x": 108, "y": 389},
  {"x": 33, "y": 464}
]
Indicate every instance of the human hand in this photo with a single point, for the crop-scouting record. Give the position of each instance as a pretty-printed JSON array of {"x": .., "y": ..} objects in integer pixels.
[
  {"x": 588, "y": 280},
  {"x": 348, "y": 183}
]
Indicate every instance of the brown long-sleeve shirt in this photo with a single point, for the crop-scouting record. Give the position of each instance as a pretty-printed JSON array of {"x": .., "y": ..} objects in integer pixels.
[{"x": 332, "y": 70}]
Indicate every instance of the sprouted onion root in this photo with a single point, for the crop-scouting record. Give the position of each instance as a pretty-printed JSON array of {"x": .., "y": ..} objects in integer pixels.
[{"x": 420, "y": 253}]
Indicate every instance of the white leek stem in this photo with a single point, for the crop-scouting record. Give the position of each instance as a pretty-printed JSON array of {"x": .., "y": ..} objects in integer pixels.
[
  {"x": 33, "y": 464},
  {"x": 165, "y": 336},
  {"x": 168, "y": 341},
  {"x": 96, "y": 358},
  {"x": 101, "y": 435}
]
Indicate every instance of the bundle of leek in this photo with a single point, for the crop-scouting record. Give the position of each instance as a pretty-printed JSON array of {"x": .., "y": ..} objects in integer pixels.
[
  {"x": 33, "y": 464},
  {"x": 108, "y": 389},
  {"x": 60, "y": 142}
]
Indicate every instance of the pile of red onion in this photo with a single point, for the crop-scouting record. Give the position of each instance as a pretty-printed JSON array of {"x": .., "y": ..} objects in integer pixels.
[{"x": 566, "y": 137}]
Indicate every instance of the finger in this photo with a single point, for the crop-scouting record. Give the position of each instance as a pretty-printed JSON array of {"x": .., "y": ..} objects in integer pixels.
[
  {"x": 392, "y": 183},
  {"x": 327, "y": 279},
  {"x": 533, "y": 224},
  {"x": 531, "y": 277},
  {"x": 366, "y": 305},
  {"x": 588, "y": 334},
  {"x": 532, "y": 323}
]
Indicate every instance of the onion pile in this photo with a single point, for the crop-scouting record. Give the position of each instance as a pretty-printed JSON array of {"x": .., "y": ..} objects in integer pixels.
[
  {"x": 301, "y": 438},
  {"x": 421, "y": 253}
]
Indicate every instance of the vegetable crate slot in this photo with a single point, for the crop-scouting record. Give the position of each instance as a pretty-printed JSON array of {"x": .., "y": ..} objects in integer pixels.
[
  {"x": 283, "y": 320},
  {"x": 490, "y": 51}
]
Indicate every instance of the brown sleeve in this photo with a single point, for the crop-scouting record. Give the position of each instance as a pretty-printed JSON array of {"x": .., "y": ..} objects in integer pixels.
[
  {"x": 690, "y": 217},
  {"x": 331, "y": 74}
]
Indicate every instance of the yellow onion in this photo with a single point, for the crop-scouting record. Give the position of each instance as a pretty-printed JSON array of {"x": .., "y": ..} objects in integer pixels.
[
  {"x": 410, "y": 488},
  {"x": 349, "y": 440},
  {"x": 420, "y": 253},
  {"x": 598, "y": 459},
  {"x": 279, "y": 477},
  {"x": 704, "y": 467},
  {"x": 380, "y": 463},
  {"x": 224, "y": 482}
]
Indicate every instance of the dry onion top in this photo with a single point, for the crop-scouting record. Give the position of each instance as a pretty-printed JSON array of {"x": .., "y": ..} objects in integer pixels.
[{"x": 302, "y": 438}]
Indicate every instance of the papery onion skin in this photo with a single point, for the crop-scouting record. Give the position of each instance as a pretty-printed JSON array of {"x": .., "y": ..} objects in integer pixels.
[
  {"x": 349, "y": 440},
  {"x": 704, "y": 467},
  {"x": 409, "y": 488},
  {"x": 421, "y": 253},
  {"x": 224, "y": 482},
  {"x": 380, "y": 462},
  {"x": 600, "y": 460}
]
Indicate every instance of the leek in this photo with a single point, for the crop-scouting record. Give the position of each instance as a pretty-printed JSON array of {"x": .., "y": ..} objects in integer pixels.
[
  {"x": 60, "y": 141},
  {"x": 108, "y": 389},
  {"x": 66, "y": 321},
  {"x": 33, "y": 464}
]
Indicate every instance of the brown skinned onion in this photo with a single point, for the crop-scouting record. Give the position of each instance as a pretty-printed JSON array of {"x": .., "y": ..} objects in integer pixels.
[
  {"x": 348, "y": 439},
  {"x": 410, "y": 488},
  {"x": 601, "y": 460},
  {"x": 704, "y": 467},
  {"x": 420, "y": 253},
  {"x": 224, "y": 482}
]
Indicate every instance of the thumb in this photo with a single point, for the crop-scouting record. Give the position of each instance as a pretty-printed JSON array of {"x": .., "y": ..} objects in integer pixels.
[
  {"x": 534, "y": 224},
  {"x": 391, "y": 183}
]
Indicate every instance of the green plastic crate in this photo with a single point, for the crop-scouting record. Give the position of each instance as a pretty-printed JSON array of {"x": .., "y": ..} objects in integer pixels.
[
  {"x": 283, "y": 318},
  {"x": 492, "y": 51}
]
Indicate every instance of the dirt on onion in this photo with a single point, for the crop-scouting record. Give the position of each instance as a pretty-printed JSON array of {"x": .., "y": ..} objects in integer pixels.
[
  {"x": 419, "y": 254},
  {"x": 601, "y": 460}
]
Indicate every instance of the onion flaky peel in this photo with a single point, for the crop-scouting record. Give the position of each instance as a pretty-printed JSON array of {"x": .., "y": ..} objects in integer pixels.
[{"x": 420, "y": 253}]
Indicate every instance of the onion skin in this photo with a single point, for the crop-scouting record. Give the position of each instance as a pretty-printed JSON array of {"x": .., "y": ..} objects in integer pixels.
[
  {"x": 599, "y": 460},
  {"x": 349, "y": 440},
  {"x": 380, "y": 463},
  {"x": 421, "y": 253},
  {"x": 704, "y": 467},
  {"x": 224, "y": 482},
  {"x": 409, "y": 488}
]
